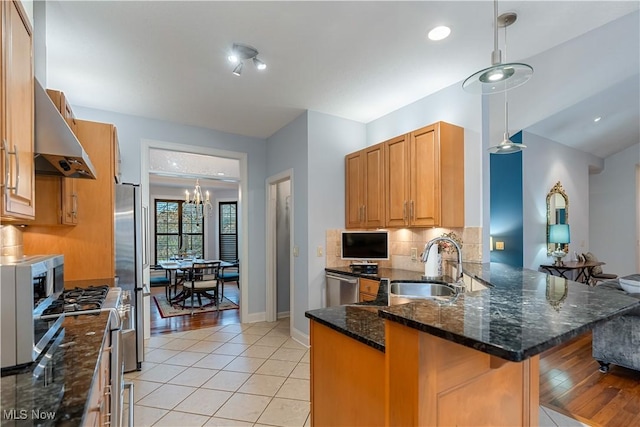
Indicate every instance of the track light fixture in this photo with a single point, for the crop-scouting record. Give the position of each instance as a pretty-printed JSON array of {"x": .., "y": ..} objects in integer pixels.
[
  {"x": 241, "y": 52},
  {"x": 238, "y": 69}
]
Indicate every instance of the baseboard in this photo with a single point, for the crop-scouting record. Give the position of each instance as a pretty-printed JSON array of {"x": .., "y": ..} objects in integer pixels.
[
  {"x": 255, "y": 317},
  {"x": 301, "y": 337},
  {"x": 282, "y": 315}
]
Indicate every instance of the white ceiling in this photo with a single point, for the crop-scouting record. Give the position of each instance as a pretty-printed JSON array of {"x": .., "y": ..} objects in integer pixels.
[
  {"x": 181, "y": 170},
  {"x": 358, "y": 60}
]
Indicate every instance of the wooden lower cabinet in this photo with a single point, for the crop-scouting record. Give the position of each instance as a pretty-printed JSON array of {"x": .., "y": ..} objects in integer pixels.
[
  {"x": 368, "y": 289},
  {"x": 88, "y": 247},
  {"x": 347, "y": 380},
  {"x": 420, "y": 380},
  {"x": 434, "y": 382},
  {"x": 99, "y": 399}
]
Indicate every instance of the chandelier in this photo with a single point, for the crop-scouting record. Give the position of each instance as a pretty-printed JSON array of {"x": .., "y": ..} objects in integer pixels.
[{"x": 200, "y": 204}]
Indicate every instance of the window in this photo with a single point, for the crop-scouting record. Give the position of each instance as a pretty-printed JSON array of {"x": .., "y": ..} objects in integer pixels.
[
  {"x": 228, "y": 231},
  {"x": 179, "y": 230}
]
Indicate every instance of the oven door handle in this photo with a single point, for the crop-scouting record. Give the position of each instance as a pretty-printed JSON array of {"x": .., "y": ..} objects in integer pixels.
[
  {"x": 131, "y": 400},
  {"x": 117, "y": 376}
]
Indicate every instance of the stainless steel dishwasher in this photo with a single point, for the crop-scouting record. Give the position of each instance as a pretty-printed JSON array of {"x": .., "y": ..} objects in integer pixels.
[{"x": 340, "y": 289}]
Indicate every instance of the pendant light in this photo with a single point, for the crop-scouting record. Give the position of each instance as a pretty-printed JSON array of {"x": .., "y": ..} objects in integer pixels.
[
  {"x": 499, "y": 77},
  {"x": 506, "y": 146}
]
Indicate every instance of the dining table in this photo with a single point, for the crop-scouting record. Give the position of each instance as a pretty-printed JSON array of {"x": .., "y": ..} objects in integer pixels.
[
  {"x": 177, "y": 269},
  {"x": 583, "y": 269}
]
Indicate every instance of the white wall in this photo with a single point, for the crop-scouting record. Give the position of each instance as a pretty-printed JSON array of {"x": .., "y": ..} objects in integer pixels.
[
  {"x": 330, "y": 139},
  {"x": 612, "y": 205},
  {"x": 455, "y": 106},
  {"x": 133, "y": 129},
  {"x": 314, "y": 146},
  {"x": 544, "y": 163},
  {"x": 287, "y": 149}
]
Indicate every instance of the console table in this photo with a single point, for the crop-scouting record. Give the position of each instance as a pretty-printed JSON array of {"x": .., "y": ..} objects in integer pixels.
[{"x": 584, "y": 269}]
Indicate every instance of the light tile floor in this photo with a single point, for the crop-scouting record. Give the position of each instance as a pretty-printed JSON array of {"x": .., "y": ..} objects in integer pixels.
[
  {"x": 230, "y": 375},
  {"x": 234, "y": 375}
]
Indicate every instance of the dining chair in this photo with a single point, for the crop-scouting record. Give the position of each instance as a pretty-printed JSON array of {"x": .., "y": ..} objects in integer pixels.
[
  {"x": 161, "y": 277},
  {"x": 596, "y": 275},
  {"x": 203, "y": 276},
  {"x": 230, "y": 274}
]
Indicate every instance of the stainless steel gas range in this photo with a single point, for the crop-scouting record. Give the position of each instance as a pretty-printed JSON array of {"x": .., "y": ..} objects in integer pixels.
[
  {"x": 94, "y": 300},
  {"x": 78, "y": 377}
]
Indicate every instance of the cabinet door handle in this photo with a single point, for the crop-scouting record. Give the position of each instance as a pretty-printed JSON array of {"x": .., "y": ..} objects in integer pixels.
[
  {"x": 412, "y": 217},
  {"x": 364, "y": 213},
  {"x": 5, "y": 183},
  {"x": 5, "y": 147},
  {"x": 74, "y": 205},
  {"x": 404, "y": 211}
]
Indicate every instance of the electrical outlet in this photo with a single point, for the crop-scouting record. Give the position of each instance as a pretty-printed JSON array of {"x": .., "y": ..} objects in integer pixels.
[
  {"x": 414, "y": 254},
  {"x": 499, "y": 246},
  {"x": 319, "y": 251},
  {"x": 296, "y": 251}
]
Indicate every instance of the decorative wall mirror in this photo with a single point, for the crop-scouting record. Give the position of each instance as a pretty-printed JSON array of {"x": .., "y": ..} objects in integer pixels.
[{"x": 557, "y": 213}]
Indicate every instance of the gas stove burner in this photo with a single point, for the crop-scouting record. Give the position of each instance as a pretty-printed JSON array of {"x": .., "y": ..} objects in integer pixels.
[
  {"x": 70, "y": 308},
  {"x": 78, "y": 300}
]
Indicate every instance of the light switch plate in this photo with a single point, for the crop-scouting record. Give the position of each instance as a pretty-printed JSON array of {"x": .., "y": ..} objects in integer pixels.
[
  {"x": 500, "y": 246},
  {"x": 296, "y": 251},
  {"x": 319, "y": 251}
]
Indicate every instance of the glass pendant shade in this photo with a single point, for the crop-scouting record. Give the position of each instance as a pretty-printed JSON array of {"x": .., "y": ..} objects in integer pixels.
[
  {"x": 506, "y": 147},
  {"x": 498, "y": 78}
]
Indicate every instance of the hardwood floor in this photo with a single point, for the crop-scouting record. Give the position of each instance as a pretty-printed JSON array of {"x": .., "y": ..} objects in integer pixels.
[
  {"x": 161, "y": 326},
  {"x": 570, "y": 383}
]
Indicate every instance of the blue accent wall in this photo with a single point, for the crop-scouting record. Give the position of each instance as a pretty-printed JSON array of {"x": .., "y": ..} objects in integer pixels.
[{"x": 506, "y": 216}]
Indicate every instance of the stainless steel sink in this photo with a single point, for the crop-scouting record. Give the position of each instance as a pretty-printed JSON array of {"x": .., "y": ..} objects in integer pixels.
[{"x": 404, "y": 292}]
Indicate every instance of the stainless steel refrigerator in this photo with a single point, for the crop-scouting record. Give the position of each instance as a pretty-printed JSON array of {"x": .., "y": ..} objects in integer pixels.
[{"x": 130, "y": 261}]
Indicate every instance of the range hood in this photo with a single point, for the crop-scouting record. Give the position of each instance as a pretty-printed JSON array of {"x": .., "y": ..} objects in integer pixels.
[{"x": 57, "y": 150}]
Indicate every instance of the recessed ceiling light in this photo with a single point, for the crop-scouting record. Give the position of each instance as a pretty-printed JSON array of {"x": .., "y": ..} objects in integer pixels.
[
  {"x": 220, "y": 173},
  {"x": 439, "y": 33},
  {"x": 597, "y": 119}
]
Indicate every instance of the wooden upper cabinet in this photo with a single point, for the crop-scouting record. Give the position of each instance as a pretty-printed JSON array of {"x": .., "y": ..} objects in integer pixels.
[
  {"x": 397, "y": 181},
  {"x": 354, "y": 192},
  {"x": 57, "y": 197},
  {"x": 424, "y": 178},
  {"x": 437, "y": 176},
  {"x": 17, "y": 115},
  {"x": 364, "y": 192},
  {"x": 116, "y": 155},
  {"x": 88, "y": 248},
  {"x": 56, "y": 201},
  {"x": 62, "y": 104},
  {"x": 424, "y": 187}
]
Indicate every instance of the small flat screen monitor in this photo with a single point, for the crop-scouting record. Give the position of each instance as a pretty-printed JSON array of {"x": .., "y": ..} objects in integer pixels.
[{"x": 365, "y": 245}]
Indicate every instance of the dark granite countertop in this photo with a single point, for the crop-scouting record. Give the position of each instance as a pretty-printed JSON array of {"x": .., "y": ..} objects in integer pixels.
[
  {"x": 522, "y": 313},
  {"x": 58, "y": 394}
]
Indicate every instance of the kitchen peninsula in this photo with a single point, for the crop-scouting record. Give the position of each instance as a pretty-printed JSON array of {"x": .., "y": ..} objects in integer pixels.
[{"x": 469, "y": 361}]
